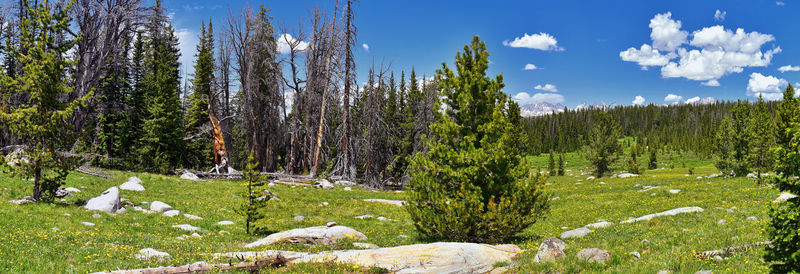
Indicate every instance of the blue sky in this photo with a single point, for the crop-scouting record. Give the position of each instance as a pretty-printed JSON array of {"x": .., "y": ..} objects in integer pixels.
[{"x": 583, "y": 51}]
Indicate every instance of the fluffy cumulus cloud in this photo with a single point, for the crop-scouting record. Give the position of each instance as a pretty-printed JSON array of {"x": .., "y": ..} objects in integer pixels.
[
  {"x": 187, "y": 45},
  {"x": 769, "y": 87},
  {"x": 704, "y": 55},
  {"x": 530, "y": 67},
  {"x": 672, "y": 98},
  {"x": 285, "y": 42},
  {"x": 638, "y": 100},
  {"x": 524, "y": 98},
  {"x": 780, "y": 3},
  {"x": 541, "y": 41},
  {"x": 720, "y": 15},
  {"x": 547, "y": 87},
  {"x": 365, "y": 46},
  {"x": 789, "y": 68}
]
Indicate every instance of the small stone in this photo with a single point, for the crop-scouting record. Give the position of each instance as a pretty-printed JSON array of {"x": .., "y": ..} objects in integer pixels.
[
  {"x": 752, "y": 218},
  {"x": 149, "y": 253},
  {"x": 187, "y": 227},
  {"x": 271, "y": 184},
  {"x": 299, "y": 218},
  {"x": 224, "y": 223},
  {"x": 193, "y": 217},
  {"x": 704, "y": 272},
  {"x": 600, "y": 224},
  {"x": 550, "y": 249},
  {"x": 635, "y": 254},
  {"x": 564, "y": 227},
  {"x": 195, "y": 235},
  {"x": 594, "y": 255},
  {"x": 402, "y": 236},
  {"x": 159, "y": 206},
  {"x": 67, "y": 214},
  {"x": 721, "y": 222},
  {"x": 664, "y": 272},
  {"x": 645, "y": 241},
  {"x": 55, "y": 229},
  {"x": 602, "y": 183},
  {"x": 364, "y": 217},
  {"x": 330, "y": 224},
  {"x": 87, "y": 223},
  {"x": 366, "y": 245},
  {"x": 718, "y": 258},
  {"x": 97, "y": 215},
  {"x": 224, "y": 232},
  {"x": 576, "y": 233},
  {"x": 172, "y": 213},
  {"x": 674, "y": 191},
  {"x": 348, "y": 188},
  {"x": 121, "y": 210}
]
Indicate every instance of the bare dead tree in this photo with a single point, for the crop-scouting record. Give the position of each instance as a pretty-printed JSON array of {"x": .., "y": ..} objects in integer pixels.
[
  {"x": 296, "y": 46},
  {"x": 223, "y": 95},
  {"x": 347, "y": 167},
  {"x": 323, "y": 50}
]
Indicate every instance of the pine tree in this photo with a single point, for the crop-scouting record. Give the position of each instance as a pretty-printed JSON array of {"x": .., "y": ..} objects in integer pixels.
[
  {"x": 42, "y": 122},
  {"x": 633, "y": 164},
  {"x": 740, "y": 118},
  {"x": 199, "y": 150},
  {"x": 603, "y": 147},
  {"x": 761, "y": 130},
  {"x": 472, "y": 184},
  {"x": 724, "y": 147},
  {"x": 784, "y": 221},
  {"x": 256, "y": 197},
  {"x": 653, "y": 161},
  {"x": 560, "y": 165},
  {"x": 112, "y": 121},
  {"x": 551, "y": 165}
]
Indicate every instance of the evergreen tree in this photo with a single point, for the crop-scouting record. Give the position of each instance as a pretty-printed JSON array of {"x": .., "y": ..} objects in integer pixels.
[
  {"x": 42, "y": 121},
  {"x": 633, "y": 164},
  {"x": 472, "y": 184},
  {"x": 724, "y": 148},
  {"x": 256, "y": 196},
  {"x": 603, "y": 148},
  {"x": 551, "y": 165},
  {"x": 653, "y": 162},
  {"x": 783, "y": 230},
  {"x": 740, "y": 118},
  {"x": 113, "y": 129},
  {"x": 560, "y": 165},
  {"x": 199, "y": 150},
  {"x": 761, "y": 130}
]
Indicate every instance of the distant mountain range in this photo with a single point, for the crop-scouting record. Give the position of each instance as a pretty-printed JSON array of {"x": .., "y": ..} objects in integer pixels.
[{"x": 539, "y": 109}]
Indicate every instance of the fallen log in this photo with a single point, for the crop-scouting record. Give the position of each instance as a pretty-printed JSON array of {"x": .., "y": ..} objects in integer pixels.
[
  {"x": 252, "y": 267},
  {"x": 730, "y": 250},
  {"x": 85, "y": 169}
]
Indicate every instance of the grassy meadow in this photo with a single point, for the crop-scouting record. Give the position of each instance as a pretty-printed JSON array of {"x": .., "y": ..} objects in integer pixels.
[{"x": 50, "y": 238}]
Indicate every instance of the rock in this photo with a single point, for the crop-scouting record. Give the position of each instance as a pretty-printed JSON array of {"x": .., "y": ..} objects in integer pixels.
[
  {"x": 55, "y": 229},
  {"x": 344, "y": 183},
  {"x": 320, "y": 235},
  {"x": 224, "y": 232},
  {"x": 193, "y": 217},
  {"x": 590, "y": 178},
  {"x": 715, "y": 175},
  {"x": 323, "y": 204},
  {"x": 555, "y": 198},
  {"x": 224, "y": 223},
  {"x": 195, "y": 235},
  {"x": 331, "y": 224},
  {"x": 602, "y": 183},
  {"x": 97, "y": 215},
  {"x": 635, "y": 254},
  {"x": 299, "y": 218},
  {"x": 190, "y": 176},
  {"x": 645, "y": 241},
  {"x": 594, "y": 255},
  {"x": 386, "y": 201},
  {"x": 600, "y": 224},
  {"x": 670, "y": 212},
  {"x": 323, "y": 184},
  {"x": 132, "y": 185},
  {"x": 149, "y": 253},
  {"x": 704, "y": 272},
  {"x": 784, "y": 197},
  {"x": 108, "y": 201},
  {"x": 664, "y": 272},
  {"x": 751, "y": 175},
  {"x": 366, "y": 245},
  {"x": 674, "y": 191},
  {"x": 187, "y": 227},
  {"x": 721, "y": 222},
  {"x": 271, "y": 184},
  {"x": 171, "y": 213},
  {"x": 25, "y": 200},
  {"x": 72, "y": 189},
  {"x": 627, "y": 175},
  {"x": 61, "y": 193},
  {"x": 367, "y": 216},
  {"x": 347, "y": 188},
  {"x": 575, "y": 233},
  {"x": 381, "y": 218},
  {"x": 752, "y": 218},
  {"x": 402, "y": 236},
  {"x": 158, "y": 206},
  {"x": 121, "y": 210},
  {"x": 421, "y": 258},
  {"x": 87, "y": 223},
  {"x": 550, "y": 249},
  {"x": 67, "y": 214}
]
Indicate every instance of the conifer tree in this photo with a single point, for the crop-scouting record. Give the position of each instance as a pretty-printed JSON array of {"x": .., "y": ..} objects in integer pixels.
[
  {"x": 603, "y": 148},
  {"x": 740, "y": 119},
  {"x": 472, "y": 184},
  {"x": 199, "y": 153},
  {"x": 653, "y": 161},
  {"x": 255, "y": 195},
  {"x": 560, "y": 164},
  {"x": 42, "y": 121},
  {"x": 761, "y": 130},
  {"x": 551, "y": 165},
  {"x": 113, "y": 129},
  {"x": 633, "y": 164},
  {"x": 724, "y": 147},
  {"x": 782, "y": 230}
]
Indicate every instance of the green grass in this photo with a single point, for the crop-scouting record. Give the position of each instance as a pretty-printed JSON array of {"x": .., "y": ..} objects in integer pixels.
[{"x": 29, "y": 244}]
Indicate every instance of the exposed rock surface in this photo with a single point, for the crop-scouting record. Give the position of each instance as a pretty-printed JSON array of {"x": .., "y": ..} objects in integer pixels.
[
  {"x": 192, "y": 217},
  {"x": 550, "y": 249},
  {"x": 321, "y": 235},
  {"x": 784, "y": 197},
  {"x": 594, "y": 255},
  {"x": 108, "y": 201},
  {"x": 344, "y": 183},
  {"x": 366, "y": 245},
  {"x": 133, "y": 184},
  {"x": 670, "y": 212},
  {"x": 386, "y": 201},
  {"x": 172, "y": 213},
  {"x": 224, "y": 223},
  {"x": 159, "y": 206},
  {"x": 600, "y": 224},
  {"x": 187, "y": 227},
  {"x": 149, "y": 253},
  {"x": 190, "y": 176},
  {"x": 576, "y": 233},
  {"x": 323, "y": 184}
]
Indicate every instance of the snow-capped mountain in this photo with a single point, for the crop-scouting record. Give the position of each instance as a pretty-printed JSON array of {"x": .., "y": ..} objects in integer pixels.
[{"x": 539, "y": 109}]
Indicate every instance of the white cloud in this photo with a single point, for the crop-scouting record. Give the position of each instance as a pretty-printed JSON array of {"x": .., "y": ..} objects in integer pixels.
[
  {"x": 672, "y": 98},
  {"x": 789, "y": 68},
  {"x": 666, "y": 33},
  {"x": 638, "y": 100},
  {"x": 530, "y": 67},
  {"x": 769, "y": 87},
  {"x": 646, "y": 56},
  {"x": 365, "y": 46},
  {"x": 710, "y": 83},
  {"x": 288, "y": 99},
  {"x": 711, "y": 53},
  {"x": 187, "y": 45},
  {"x": 720, "y": 15},
  {"x": 547, "y": 87},
  {"x": 541, "y": 41},
  {"x": 524, "y": 98},
  {"x": 780, "y": 3},
  {"x": 286, "y": 40}
]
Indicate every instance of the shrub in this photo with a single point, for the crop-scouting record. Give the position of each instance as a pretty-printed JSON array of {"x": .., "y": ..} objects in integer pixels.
[{"x": 472, "y": 184}]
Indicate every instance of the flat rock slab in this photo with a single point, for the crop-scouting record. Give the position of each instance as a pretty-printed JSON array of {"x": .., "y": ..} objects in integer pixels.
[
  {"x": 627, "y": 175},
  {"x": 224, "y": 223},
  {"x": 108, "y": 201},
  {"x": 149, "y": 253},
  {"x": 784, "y": 197},
  {"x": 190, "y": 176},
  {"x": 670, "y": 212},
  {"x": 423, "y": 258},
  {"x": 193, "y": 217},
  {"x": 600, "y": 224},
  {"x": 321, "y": 235},
  {"x": 386, "y": 201},
  {"x": 159, "y": 206},
  {"x": 171, "y": 213},
  {"x": 187, "y": 227},
  {"x": 132, "y": 186},
  {"x": 576, "y": 233}
]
